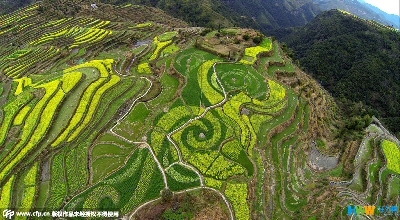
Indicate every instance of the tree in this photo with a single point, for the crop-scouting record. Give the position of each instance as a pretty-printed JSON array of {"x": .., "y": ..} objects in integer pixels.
[
  {"x": 166, "y": 195},
  {"x": 258, "y": 39}
]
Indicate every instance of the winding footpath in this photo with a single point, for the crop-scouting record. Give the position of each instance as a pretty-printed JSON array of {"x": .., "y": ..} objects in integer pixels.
[{"x": 169, "y": 137}]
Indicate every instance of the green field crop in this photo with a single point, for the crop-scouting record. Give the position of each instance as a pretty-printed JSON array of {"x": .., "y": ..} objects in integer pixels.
[
  {"x": 211, "y": 182},
  {"x": 35, "y": 117},
  {"x": 17, "y": 54},
  {"x": 133, "y": 125},
  {"x": 287, "y": 68},
  {"x": 167, "y": 36},
  {"x": 147, "y": 24},
  {"x": 394, "y": 186},
  {"x": 43, "y": 194},
  {"x": 232, "y": 109},
  {"x": 157, "y": 140},
  {"x": 97, "y": 197},
  {"x": 6, "y": 193},
  {"x": 70, "y": 80},
  {"x": 160, "y": 45},
  {"x": 174, "y": 115},
  {"x": 30, "y": 188},
  {"x": 69, "y": 104},
  {"x": 238, "y": 77},
  {"x": 192, "y": 58},
  {"x": 114, "y": 98},
  {"x": 80, "y": 111},
  {"x": 392, "y": 153},
  {"x": 284, "y": 116},
  {"x": 11, "y": 111},
  {"x": 202, "y": 134},
  {"x": 19, "y": 119},
  {"x": 222, "y": 169},
  {"x": 253, "y": 52},
  {"x": 202, "y": 160},
  {"x": 210, "y": 93},
  {"x": 144, "y": 68},
  {"x": 105, "y": 115},
  {"x": 234, "y": 151},
  {"x": 237, "y": 194},
  {"x": 170, "y": 87},
  {"x": 132, "y": 179},
  {"x": 93, "y": 105},
  {"x": 173, "y": 48},
  {"x": 58, "y": 187},
  {"x": 108, "y": 156},
  {"x": 180, "y": 178}
]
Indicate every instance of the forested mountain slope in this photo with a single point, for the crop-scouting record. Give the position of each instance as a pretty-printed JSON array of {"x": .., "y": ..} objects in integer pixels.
[
  {"x": 126, "y": 112},
  {"x": 361, "y": 9},
  {"x": 11, "y": 5},
  {"x": 352, "y": 58},
  {"x": 264, "y": 15},
  {"x": 394, "y": 19}
]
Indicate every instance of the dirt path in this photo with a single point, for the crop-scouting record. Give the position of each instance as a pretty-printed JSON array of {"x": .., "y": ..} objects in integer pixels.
[
  {"x": 169, "y": 137},
  {"x": 185, "y": 191},
  {"x": 183, "y": 163}
]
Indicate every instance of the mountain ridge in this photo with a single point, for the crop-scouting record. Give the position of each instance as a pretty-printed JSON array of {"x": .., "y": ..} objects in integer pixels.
[
  {"x": 395, "y": 19},
  {"x": 284, "y": 13},
  {"x": 337, "y": 49},
  {"x": 361, "y": 9},
  {"x": 127, "y": 111},
  {"x": 255, "y": 14}
]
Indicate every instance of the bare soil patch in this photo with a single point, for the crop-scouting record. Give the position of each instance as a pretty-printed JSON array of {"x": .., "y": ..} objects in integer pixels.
[{"x": 199, "y": 204}]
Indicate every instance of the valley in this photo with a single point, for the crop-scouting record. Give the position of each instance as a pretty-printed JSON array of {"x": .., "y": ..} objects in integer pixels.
[{"x": 138, "y": 113}]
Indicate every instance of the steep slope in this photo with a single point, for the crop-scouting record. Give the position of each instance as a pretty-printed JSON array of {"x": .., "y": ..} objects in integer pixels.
[
  {"x": 136, "y": 115},
  {"x": 361, "y": 9},
  {"x": 12, "y": 5},
  {"x": 394, "y": 19},
  {"x": 353, "y": 59},
  {"x": 264, "y": 15},
  {"x": 261, "y": 14},
  {"x": 276, "y": 14}
]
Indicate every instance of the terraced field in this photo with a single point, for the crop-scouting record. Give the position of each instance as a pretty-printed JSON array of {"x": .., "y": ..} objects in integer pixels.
[{"x": 114, "y": 116}]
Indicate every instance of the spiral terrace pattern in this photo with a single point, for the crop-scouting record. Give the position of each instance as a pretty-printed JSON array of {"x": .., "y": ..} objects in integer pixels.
[
  {"x": 242, "y": 78},
  {"x": 107, "y": 115}
]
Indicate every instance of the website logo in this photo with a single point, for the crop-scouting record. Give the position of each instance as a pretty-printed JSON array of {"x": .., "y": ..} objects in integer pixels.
[
  {"x": 372, "y": 210},
  {"x": 8, "y": 213}
]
